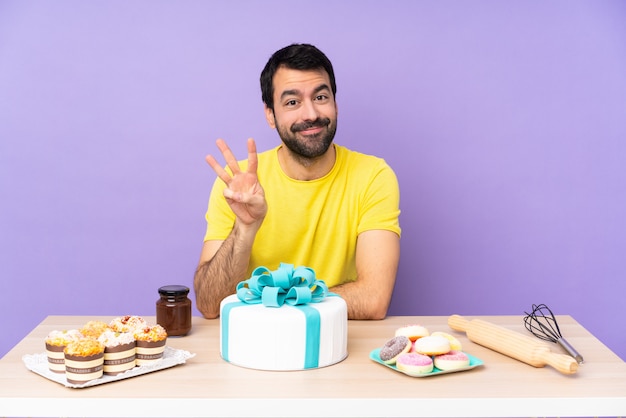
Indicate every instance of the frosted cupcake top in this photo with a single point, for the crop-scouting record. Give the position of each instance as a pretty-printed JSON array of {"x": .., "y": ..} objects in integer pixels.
[
  {"x": 112, "y": 338},
  {"x": 62, "y": 338},
  {"x": 94, "y": 328},
  {"x": 84, "y": 347},
  {"x": 128, "y": 323},
  {"x": 154, "y": 333}
]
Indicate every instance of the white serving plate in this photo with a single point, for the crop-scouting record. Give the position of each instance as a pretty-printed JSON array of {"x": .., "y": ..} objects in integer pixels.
[{"x": 38, "y": 363}]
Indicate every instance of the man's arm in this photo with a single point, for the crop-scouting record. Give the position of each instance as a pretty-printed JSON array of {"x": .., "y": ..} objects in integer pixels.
[
  {"x": 377, "y": 257},
  {"x": 224, "y": 263}
]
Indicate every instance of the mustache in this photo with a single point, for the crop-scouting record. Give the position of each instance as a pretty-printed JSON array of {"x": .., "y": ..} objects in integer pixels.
[{"x": 317, "y": 123}]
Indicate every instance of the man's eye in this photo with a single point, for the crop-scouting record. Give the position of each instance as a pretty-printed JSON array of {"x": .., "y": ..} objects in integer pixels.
[
  {"x": 321, "y": 97},
  {"x": 291, "y": 103}
]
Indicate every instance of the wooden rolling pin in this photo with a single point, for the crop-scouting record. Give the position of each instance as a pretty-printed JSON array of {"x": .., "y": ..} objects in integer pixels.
[{"x": 513, "y": 344}]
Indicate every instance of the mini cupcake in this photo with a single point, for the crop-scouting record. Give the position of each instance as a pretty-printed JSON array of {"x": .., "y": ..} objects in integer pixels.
[
  {"x": 84, "y": 360},
  {"x": 150, "y": 344},
  {"x": 55, "y": 344},
  {"x": 94, "y": 329},
  {"x": 119, "y": 351},
  {"x": 128, "y": 323}
]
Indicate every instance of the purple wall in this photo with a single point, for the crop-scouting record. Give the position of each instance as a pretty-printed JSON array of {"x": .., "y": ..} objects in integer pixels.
[{"x": 505, "y": 122}]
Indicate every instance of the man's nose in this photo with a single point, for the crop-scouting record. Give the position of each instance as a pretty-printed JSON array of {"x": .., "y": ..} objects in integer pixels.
[{"x": 309, "y": 110}]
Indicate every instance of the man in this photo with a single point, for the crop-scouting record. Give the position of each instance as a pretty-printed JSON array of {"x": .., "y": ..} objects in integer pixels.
[{"x": 307, "y": 202}]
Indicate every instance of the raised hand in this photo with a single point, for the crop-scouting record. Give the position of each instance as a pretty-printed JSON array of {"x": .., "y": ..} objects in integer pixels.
[{"x": 243, "y": 192}]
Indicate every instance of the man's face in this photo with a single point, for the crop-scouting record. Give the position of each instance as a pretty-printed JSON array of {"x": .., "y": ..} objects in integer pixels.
[{"x": 305, "y": 112}]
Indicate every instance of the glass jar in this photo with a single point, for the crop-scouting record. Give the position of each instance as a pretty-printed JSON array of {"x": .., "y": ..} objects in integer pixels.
[{"x": 173, "y": 310}]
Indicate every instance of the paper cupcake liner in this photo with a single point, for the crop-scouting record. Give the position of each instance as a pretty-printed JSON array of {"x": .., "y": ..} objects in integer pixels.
[
  {"x": 148, "y": 352},
  {"x": 56, "y": 358},
  {"x": 81, "y": 369},
  {"x": 119, "y": 358}
]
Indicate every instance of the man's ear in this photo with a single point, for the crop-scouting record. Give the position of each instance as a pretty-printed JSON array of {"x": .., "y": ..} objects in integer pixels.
[{"x": 269, "y": 116}]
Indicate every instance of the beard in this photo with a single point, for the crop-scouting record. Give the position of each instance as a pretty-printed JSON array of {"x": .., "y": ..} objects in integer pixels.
[{"x": 308, "y": 147}]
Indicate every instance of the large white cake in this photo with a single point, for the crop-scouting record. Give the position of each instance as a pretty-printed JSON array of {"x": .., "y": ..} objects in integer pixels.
[{"x": 288, "y": 337}]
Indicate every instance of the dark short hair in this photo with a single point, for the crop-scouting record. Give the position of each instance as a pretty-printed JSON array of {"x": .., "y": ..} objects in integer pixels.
[{"x": 296, "y": 57}]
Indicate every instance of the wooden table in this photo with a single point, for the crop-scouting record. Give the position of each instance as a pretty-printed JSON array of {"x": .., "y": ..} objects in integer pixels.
[{"x": 208, "y": 386}]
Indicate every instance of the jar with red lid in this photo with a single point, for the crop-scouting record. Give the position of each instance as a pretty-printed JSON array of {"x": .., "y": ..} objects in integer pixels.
[{"x": 173, "y": 310}]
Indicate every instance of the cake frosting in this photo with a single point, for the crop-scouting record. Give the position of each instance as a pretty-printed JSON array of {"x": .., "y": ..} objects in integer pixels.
[
  {"x": 128, "y": 323},
  {"x": 283, "y": 320},
  {"x": 62, "y": 338},
  {"x": 94, "y": 329}
]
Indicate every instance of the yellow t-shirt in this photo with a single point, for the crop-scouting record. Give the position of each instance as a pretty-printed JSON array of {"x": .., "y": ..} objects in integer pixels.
[{"x": 315, "y": 223}]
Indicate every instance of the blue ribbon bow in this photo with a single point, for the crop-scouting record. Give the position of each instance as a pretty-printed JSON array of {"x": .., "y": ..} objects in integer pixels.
[{"x": 286, "y": 285}]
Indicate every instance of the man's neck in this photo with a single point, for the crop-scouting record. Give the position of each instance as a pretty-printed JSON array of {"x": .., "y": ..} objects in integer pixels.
[{"x": 306, "y": 169}]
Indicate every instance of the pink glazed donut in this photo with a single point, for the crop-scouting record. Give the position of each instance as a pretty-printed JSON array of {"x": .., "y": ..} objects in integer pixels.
[
  {"x": 414, "y": 364},
  {"x": 393, "y": 348},
  {"x": 452, "y": 360}
]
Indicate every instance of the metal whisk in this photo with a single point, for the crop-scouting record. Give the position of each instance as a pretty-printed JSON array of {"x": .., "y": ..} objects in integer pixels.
[{"x": 542, "y": 324}]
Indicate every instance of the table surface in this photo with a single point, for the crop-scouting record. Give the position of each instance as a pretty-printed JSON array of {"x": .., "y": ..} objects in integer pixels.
[{"x": 206, "y": 385}]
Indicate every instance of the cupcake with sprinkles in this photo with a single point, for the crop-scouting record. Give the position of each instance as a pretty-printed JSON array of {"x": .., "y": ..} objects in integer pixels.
[
  {"x": 56, "y": 342},
  {"x": 150, "y": 342},
  {"x": 128, "y": 323},
  {"x": 119, "y": 351},
  {"x": 94, "y": 329},
  {"x": 84, "y": 360}
]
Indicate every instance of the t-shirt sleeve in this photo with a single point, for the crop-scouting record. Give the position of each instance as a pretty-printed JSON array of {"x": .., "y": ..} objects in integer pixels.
[
  {"x": 380, "y": 208},
  {"x": 219, "y": 217}
]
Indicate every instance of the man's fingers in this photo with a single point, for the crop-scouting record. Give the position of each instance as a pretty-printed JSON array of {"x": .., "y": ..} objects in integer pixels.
[
  {"x": 252, "y": 157},
  {"x": 234, "y": 196},
  {"x": 231, "y": 161},
  {"x": 221, "y": 173}
]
